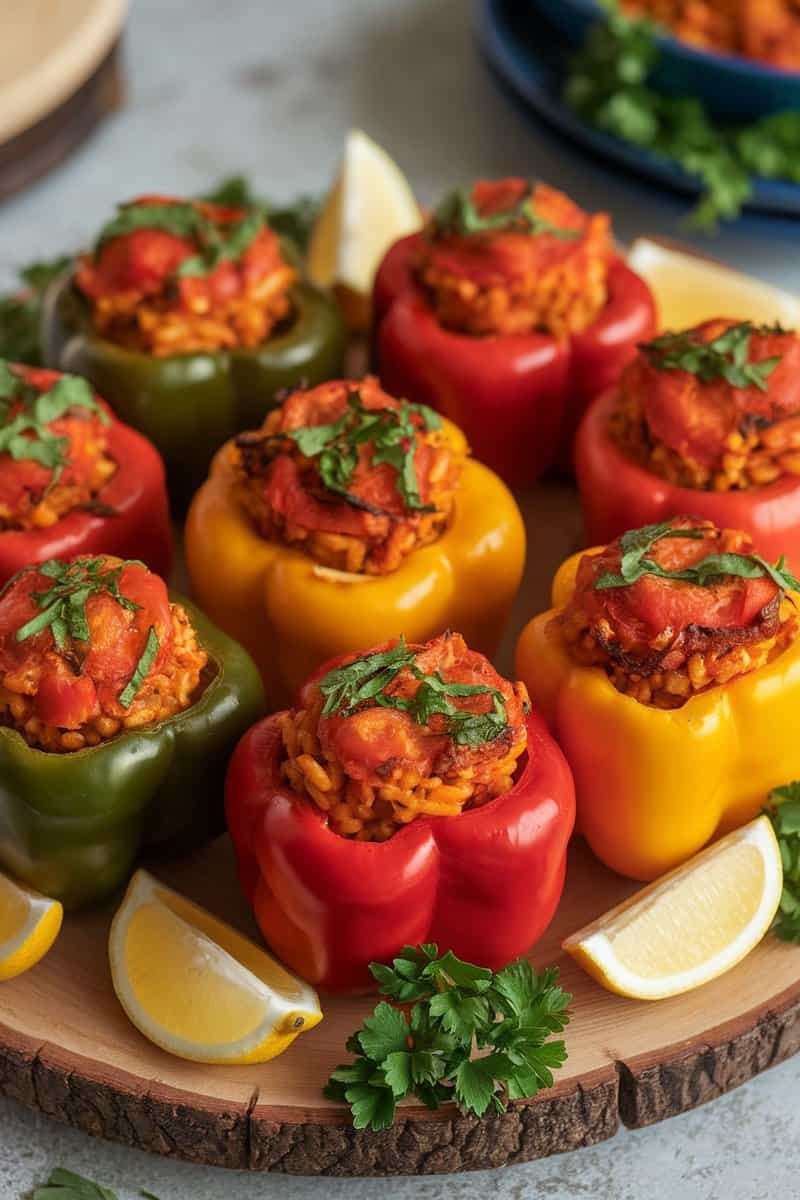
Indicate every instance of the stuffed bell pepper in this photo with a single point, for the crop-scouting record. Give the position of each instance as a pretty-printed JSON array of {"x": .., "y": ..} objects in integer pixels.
[
  {"x": 188, "y": 318},
  {"x": 411, "y": 796},
  {"x": 508, "y": 313},
  {"x": 119, "y": 708},
  {"x": 705, "y": 421},
  {"x": 669, "y": 671},
  {"x": 74, "y": 479},
  {"x": 351, "y": 517}
]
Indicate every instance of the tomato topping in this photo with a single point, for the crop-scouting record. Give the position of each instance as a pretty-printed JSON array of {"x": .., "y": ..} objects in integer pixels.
[
  {"x": 641, "y": 611},
  {"x": 695, "y": 417},
  {"x": 80, "y": 679},
  {"x": 374, "y": 741}
]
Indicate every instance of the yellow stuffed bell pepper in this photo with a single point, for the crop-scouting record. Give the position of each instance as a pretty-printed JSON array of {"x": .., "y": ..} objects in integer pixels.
[
  {"x": 348, "y": 519},
  {"x": 672, "y": 685}
]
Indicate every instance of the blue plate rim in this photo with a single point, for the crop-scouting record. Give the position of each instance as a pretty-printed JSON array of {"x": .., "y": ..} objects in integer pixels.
[{"x": 521, "y": 69}]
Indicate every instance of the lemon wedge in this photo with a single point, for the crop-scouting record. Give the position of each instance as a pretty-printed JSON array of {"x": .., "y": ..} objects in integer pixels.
[
  {"x": 369, "y": 207},
  {"x": 689, "y": 289},
  {"x": 692, "y": 925},
  {"x": 197, "y": 988},
  {"x": 29, "y": 924}
]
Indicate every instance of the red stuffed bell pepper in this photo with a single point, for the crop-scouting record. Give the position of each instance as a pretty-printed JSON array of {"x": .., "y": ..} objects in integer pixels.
[
  {"x": 411, "y": 797},
  {"x": 509, "y": 312},
  {"x": 706, "y": 421},
  {"x": 73, "y": 479}
]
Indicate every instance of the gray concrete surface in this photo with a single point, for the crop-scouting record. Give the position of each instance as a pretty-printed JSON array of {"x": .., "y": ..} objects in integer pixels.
[{"x": 269, "y": 87}]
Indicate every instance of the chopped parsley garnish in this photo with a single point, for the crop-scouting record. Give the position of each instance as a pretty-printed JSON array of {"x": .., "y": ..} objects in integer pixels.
[
  {"x": 26, "y": 434},
  {"x": 457, "y": 216},
  {"x": 364, "y": 681},
  {"x": 725, "y": 357},
  {"x": 635, "y": 564},
  {"x": 458, "y": 1009},
  {"x": 784, "y": 811},
  {"x": 609, "y": 84},
  {"x": 216, "y": 243},
  {"x": 62, "y": 610},
  {"x": 391, "y": 436}
]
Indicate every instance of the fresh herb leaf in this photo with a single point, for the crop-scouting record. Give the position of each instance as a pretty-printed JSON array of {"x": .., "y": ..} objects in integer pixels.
[
  {"x": 457, "y": 216},
  {"x": 146, "y": 660},
  {"x": 66, "y": 1185},
  {"x": 21, "y": 311},
  {"x": 390, "y": 434},
  {"x": 784, "y": 812},
  {"x": 346, "y": 688},
  {"x": 63, "y": 606},
  {"x": 26, "y": 435},
  {"x": 725, "y": 357},
  {"x": 182, "y": 219},
  {"x": 634, "y": 564},
  {"x": 458, "y": 1009},
  {"x": 293, "y": 221},
  {"x": 365, "y": 680},
  {"x": 229, "y": 246},
  {"x": 607, "y": 84}
]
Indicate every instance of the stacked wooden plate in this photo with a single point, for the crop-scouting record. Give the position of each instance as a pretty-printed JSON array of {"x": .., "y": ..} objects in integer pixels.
[{"x": 59, "y": 75}]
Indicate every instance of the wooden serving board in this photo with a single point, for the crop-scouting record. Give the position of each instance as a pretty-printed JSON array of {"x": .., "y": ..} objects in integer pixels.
[{"x": 67, "y": 1048}]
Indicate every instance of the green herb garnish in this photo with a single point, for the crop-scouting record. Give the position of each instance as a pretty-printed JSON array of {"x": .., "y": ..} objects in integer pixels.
[
  {"x": 21, "y": 312},
  {"x": 457, "y": 1009},
  {"x": 784, "y": 812},
  {"x": 182, "y": 219},
  {"x": 228, "y": 246},
  {"x": 66, "y": 1185},
  {"x": 364, "y": 681},
  {"x": 148, "y": 655},
  {"x": 635, "y": 564},
  {"x": 725, "y": 357},
  {"x": 391, "y": 435},
  {"x": 608, "y": 86},
  {"x": 216, "y": 243},
  {"x": 26, "y": 435},
  {"x": 63, "y": 605},
  {"x": 457, "y": 216},
  {"x": 293, "y": 221}
]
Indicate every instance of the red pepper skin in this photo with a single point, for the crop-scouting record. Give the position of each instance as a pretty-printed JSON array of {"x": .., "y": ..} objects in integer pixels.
[
  {"x": 139, "y": 527},
  {"x": 618, "y": 494},
  {"x": 519, "y": 397},
  {"x": 484, "y": 884}
]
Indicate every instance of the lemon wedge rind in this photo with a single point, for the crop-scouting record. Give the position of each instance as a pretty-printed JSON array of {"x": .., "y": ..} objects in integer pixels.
[
  {"x": 692, "y": 925},
  {"x": 182, "y": 975}
]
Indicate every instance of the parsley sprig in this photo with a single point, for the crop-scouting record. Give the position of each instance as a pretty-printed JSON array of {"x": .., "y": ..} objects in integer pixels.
[
  {"x": 26, "y": 434},
  {"x": 364, "y": 681},
  {"x": 456, "y": 1009},
  {"x": 62, "y": 610},
  {"x": 635, "y": 564},
  {"x": 215, "y": 243},
  {"x": 457, "y": 216},
  {"x": 725, "y": 357},
  {"x": 783, "y": 810},
  {"x": 391, "y": 436},
  {"x": 608, "y": 85}
]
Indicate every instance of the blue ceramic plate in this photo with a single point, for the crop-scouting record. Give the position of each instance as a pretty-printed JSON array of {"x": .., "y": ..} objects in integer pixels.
[
  {"x": 528, "y": 55},
  {"x": 731, "y": 87}
]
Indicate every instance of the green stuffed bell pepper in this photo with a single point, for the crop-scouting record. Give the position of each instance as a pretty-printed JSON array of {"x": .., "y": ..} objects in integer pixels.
[
  {"x": 189, "y": 318},
  {"x": 120, "y": 706}
]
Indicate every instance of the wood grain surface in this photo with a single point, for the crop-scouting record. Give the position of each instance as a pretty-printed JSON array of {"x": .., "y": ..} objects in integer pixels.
[{"x": 67, "y": 1049}]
